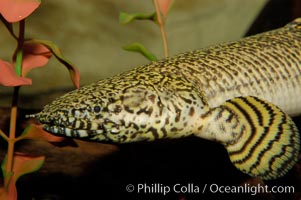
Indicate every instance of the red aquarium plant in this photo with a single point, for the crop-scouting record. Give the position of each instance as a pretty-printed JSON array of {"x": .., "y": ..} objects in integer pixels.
[{"x": 29, "y": 54}]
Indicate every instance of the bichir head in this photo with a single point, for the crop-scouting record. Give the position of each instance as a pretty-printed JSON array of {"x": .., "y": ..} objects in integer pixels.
[{"x": 127, "y": 108}]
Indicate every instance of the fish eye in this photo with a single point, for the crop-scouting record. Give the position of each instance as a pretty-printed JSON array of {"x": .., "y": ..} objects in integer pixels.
[{"x": 96, "y": 109}]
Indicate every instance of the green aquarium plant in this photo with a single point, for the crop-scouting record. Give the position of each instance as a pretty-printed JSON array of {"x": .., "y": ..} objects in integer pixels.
[
  {"x": 29, "y": 54},
  {"x": 159, "y": 16}
]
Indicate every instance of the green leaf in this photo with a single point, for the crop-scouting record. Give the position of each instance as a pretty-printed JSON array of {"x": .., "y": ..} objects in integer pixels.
[
  {"x": 125, "y": 18},
  {"x": 74, "y": 73},
  {"x": 139, "y": 48}
]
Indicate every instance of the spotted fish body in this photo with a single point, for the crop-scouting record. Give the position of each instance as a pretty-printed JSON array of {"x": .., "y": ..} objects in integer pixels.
[{"x": 237, "y": 93}]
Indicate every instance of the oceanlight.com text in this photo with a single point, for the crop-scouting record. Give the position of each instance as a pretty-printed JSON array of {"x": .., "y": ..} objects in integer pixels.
[{"x": 191, "y": 188}]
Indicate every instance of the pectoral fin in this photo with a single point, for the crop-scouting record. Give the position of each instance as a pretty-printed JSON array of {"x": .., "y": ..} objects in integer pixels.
[{"x": 261, "y": 140}]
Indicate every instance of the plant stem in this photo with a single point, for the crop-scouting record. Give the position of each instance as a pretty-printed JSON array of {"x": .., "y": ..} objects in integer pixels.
[
  {"x": 14, "y": 107},
  {"x": 9, "y": 27},
  {"x": 12, "y": 134},
  {"x": 2, "y": 134},
  {"x": 19, "y": 55},
  {"x": 161, "y": 25}
]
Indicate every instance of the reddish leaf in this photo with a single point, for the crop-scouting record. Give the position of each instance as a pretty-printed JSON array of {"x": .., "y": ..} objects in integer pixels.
[
  {"x": 16, "y": 10},
  {"x": 164, "y": 6},
  {"x": 22, "y": 164},
  {"x": 34, "y": 55},
  {"x": 8, "y": 76},
  {"x": 10, "y": 193},
  {"x": 3, "y": 193},
  {"x": 34, "y": 131},
  {"x": 74, "y": 73}
]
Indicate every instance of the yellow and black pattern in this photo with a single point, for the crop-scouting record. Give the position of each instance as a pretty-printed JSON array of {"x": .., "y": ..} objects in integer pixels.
[
  {"x": 196, "y": 93},
  {"x": 269, "y": 144}
]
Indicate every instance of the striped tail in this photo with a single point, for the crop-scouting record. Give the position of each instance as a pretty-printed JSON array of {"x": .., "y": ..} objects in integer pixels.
[{"x": 261, "y": 140}]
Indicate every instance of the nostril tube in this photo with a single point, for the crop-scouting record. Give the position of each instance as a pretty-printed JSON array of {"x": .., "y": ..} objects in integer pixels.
[{"x": 32, "y": 115}]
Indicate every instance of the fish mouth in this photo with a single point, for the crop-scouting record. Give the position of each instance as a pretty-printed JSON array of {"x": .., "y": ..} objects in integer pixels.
[
  {"x": 56, "y": 126},
  {"x": 75, "y": 133}
]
